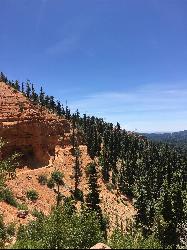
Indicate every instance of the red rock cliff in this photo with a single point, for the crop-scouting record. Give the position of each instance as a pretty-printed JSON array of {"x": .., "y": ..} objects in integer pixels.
[{"x": 29, "y": 128}]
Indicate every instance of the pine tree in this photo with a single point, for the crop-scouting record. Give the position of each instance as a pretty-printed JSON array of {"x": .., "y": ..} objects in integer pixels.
[
  {"x": 3, "y": 78},
  {"x": 58, "y": 108},
  {"x": 52, "y": 103},
  {"x": 93, "y": 196},
  {"x": 28, "y": 89},
  {"x": 34, "y": 96},
  {"x": 57, "y": 177},
  {"x": 42, "y": 97},
  {"x": 22, "y": 87},
  {"x": 17, "y": 87},
  {"x": 77, "y": 171}
]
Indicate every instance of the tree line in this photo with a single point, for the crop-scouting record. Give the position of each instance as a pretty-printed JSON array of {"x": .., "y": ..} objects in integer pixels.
[{"x": 153, "y": 175}]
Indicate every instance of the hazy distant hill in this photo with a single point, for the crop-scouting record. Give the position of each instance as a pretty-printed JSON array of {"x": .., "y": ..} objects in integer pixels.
[{"x": 177, "y": 139}]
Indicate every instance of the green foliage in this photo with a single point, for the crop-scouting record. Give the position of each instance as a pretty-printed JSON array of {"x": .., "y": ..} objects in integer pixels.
[
  {"x": 77, "y": 173},
  {"x": 37, "y": 214},
  {"x": 11, "y": 229},
  {"x": 7, "y": 196},
  {"x": 51, "y": 183},
  {"x": 22, "y": 206},
  {"x": 152, "y": 174},
  {"x": 110, "y": 186},
  {"x": 57, "y": 176},
  {"x": 8, "y": 166},
  {"x": 78, "y": 195},
  {"x": 60, "y": 231},
  {"x": 5, "y": 232},
  {"x": 133, "y": 240},
  {"x": 177, "y": 140},
  {"x": 42, "y": 179},
  {"x": 32, "y": 195},
  {"x": 92, "y": 198}
]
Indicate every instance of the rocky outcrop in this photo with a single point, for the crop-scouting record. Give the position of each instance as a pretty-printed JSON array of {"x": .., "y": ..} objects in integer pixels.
[
  {"x": 100, "y": 246},
  {"x": 29, "y": 128}
]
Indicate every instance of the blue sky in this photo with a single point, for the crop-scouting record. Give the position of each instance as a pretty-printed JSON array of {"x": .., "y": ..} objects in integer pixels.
[{"x": 124, "y": 60}]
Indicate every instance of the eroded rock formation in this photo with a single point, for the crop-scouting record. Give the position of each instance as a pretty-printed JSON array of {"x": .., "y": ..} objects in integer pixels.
[{"x": 29, "y": 128}]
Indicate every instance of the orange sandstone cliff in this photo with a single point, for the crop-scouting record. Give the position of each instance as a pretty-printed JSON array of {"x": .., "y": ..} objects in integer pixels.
[{"x": 28, "y": 128}]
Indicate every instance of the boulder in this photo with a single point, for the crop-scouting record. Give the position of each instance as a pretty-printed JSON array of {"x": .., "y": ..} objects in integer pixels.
[
  {"x": 22, "y": 214},
  {"x": 100, "y": 246}
]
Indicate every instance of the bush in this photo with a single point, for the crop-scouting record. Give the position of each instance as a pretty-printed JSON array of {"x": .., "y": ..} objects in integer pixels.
[
  {"x": 7, "y": 196},
  {"x": 50, "y": 183},
  {"x": 37, "y": 214},
  {"x": 32, "y": 195},
  {"x": 110, "y": 186},
  {"x": 60, "y": 231},
  {"x": 5, "y": 232},
  {"x": 42, "y": 179},
  {"x": 133, "y": 240},
  {"x": 11, "y": 230},
  {"x": 23, "y": 206}
]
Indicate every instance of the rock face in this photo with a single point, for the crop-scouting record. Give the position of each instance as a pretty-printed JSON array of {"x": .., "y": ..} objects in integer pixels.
[
  {"x": 100, "y": 246},
  {"x": 29, "y": 128}
]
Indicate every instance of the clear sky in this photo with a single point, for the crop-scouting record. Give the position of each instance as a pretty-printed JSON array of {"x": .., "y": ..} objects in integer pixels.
[{"x": 124, "y": 60}]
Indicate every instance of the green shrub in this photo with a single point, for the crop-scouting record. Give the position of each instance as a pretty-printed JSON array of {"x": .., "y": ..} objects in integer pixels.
[
  {"x": 32, "y": 195},
  {"x": 60, "y": 231},
  {"x": 3, "y": 234},
  {"x": 7, "y": 196},
  {"x": 42, "y": 179},
  {"x": 110, "y": 186},
  {"x": 22, "y": 206},
  {"x": 37, "y": 214},
  {"x": 50, "y": 183},
  {"x": 133, "y": 240},
  {"x": 11, "y": 230}
]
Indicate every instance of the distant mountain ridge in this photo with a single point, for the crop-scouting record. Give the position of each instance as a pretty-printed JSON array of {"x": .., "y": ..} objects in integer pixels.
[{"x": 176, "y": 139}]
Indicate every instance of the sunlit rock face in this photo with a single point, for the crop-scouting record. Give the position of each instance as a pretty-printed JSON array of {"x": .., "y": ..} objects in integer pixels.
[{"x": 29, "y": 128}]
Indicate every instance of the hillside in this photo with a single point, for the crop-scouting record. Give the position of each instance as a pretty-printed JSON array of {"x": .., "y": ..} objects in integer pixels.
[
  {"x": 121, "y": 176},
  {"x": 43, "y": 139},
  {"x": 176, "y": 139}
]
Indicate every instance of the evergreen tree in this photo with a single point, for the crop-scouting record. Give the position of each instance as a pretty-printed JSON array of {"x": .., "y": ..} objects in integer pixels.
[
  {"x": 77, "y": 171},
  {"x": 93, "y": 196},
  {"x": 42, "y": 97},
  {"x": 17, "y": 87},
  {"x": 28, "y": 89},
  {"x": 57, "y": 177},
  {"x": 3, "y": 78},
  {"x": 52, "y": 103},
  {"x": 22, "y": 87},
  {"x": 34, "y": 96},
  {"x": 59, "y": 108}
]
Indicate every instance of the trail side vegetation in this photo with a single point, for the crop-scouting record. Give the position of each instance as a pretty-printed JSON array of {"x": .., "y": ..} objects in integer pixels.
[{"x": 153, "y": 175}]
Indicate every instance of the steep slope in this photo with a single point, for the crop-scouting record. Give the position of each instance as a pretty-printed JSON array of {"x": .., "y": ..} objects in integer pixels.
[
  {"x": 28, "y": 128},
  {"x": 44, "y": 140}
]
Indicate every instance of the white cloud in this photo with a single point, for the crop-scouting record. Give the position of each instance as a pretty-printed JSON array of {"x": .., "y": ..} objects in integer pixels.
[
  {"x": 63, "y": 46},
  {"x": 152, "y": 107}
]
